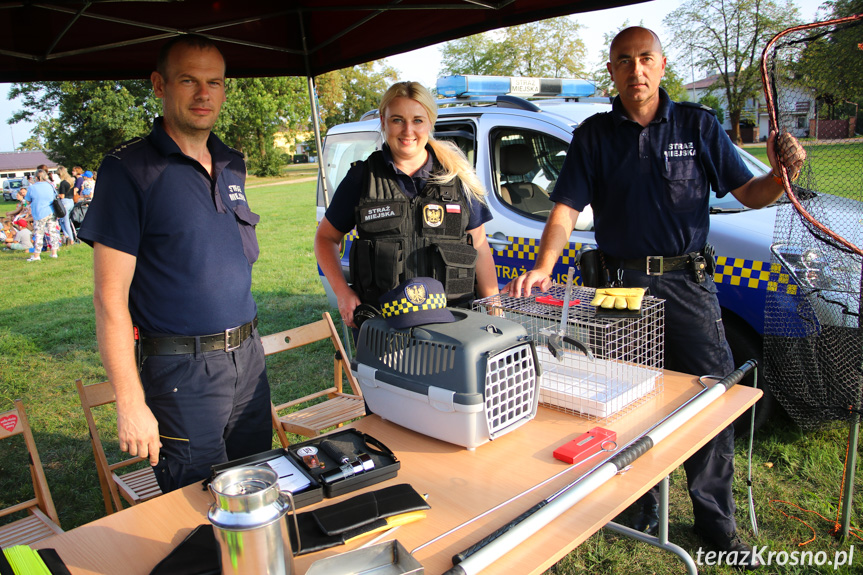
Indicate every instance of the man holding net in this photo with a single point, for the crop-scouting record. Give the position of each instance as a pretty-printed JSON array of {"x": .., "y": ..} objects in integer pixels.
[{"x": 647, "y": 168}]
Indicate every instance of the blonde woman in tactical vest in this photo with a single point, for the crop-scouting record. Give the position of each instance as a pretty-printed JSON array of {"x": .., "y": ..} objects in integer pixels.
[{"x": 419, "y": 210}]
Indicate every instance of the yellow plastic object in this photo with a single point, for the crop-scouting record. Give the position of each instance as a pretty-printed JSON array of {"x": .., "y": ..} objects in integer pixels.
[
  {"x": 25, "y": 561},
  {"x": 394, "y": 521}
]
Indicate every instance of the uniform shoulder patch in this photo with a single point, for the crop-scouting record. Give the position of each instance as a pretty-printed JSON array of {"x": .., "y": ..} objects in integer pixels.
[
  {"x": 697, "y": 106},
  {"x": 591, "y": 120},
  {"x": 126, "y": 148}
]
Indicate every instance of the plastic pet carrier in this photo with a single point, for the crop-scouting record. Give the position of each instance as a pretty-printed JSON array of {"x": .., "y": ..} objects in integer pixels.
[{"x": 464, "y": 382}]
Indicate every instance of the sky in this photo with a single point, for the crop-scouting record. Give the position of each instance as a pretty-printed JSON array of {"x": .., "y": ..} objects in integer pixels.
[{"x": 423, "y": 65}]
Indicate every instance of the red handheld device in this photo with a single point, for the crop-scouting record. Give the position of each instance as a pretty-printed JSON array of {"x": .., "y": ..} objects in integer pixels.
[
  {"x": 585, "y": 445},
  {"x": 551, "y": 300}
]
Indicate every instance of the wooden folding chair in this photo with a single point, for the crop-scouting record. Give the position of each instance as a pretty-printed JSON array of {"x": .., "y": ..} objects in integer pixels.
[
  {"x": 339, "y": 407},
  {"x": 134, "y": 486},
  {"x": 42, "y": 520}
]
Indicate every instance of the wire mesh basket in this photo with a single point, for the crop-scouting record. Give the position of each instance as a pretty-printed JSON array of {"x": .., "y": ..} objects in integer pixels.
[
  {"x": 626, "y": 353},
  {"x": 813, "y": 315}
]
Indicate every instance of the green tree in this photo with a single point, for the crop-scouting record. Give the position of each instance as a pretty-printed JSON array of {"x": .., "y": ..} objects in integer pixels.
[
  {"x": 79, "y": 122},
  {"x": 257, "y": 108},
  {"x": 31, "y": 144},
  {"x": 346, "y": 94},
  {"x": 546, "y": 48},
  {"x": 473, "y": 55},
  {"x": 830, "y": 65},
  {"x": 672, "y": 82},
  {"x": 729, "y": 36},
  {"x": 713, "y": 102}
]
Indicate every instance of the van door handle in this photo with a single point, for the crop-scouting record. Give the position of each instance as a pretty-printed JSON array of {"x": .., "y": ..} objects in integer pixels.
[{"x": 498, "y": 240}]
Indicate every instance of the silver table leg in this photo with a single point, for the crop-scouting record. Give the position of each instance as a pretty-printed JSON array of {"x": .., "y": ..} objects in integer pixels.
[{"x": 662, "y": 540}]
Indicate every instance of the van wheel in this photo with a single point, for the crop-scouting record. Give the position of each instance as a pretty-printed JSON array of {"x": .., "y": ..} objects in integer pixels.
[{"x": 746, "y": 344}]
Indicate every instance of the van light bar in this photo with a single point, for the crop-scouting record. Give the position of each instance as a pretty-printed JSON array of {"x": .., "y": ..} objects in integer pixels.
[{"x": 462, "y": 86}]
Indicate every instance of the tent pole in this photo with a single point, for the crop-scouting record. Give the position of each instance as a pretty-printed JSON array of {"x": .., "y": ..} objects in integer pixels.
[
  {"x": 322, "y": 175},
  {"x": 347, "y": 338},
  {"x": 313, "y": 104}
]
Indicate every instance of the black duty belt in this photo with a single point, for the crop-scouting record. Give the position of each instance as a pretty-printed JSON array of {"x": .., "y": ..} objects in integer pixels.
[
  {"x": 228, "y": 340},
  {"x": 658, "y": 265}
]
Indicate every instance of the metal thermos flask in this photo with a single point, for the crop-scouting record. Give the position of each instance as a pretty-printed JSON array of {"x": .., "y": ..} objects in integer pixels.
[{"x": 248, "y": 520}]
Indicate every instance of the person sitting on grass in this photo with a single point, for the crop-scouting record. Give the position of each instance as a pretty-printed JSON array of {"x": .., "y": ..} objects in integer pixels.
[
  {"x": 22, "y": 239},
  {"x": 22, "y": 210}
]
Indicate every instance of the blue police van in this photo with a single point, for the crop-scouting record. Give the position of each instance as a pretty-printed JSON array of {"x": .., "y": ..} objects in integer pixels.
[{"x": 518, "y": 147}]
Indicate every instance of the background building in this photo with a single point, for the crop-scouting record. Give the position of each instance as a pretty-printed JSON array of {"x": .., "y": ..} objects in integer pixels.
[
  {"x": 754, "y": 121},
  {"x": 20, "y": 164}
]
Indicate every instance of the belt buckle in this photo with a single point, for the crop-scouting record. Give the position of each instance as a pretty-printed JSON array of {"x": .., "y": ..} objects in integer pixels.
[
  {"x": 228, "y": 333},
  {"x": 661, "y": 265}
]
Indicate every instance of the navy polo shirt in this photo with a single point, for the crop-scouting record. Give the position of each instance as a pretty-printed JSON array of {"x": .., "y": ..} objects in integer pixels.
[
  {"x": 649, "y": 186},
  {"x": 193, "y": 235},
  {"x": 341, "y": 213}
]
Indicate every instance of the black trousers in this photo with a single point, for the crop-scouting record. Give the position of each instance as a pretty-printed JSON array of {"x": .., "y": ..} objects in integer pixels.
[
  {"x": 211, "y": 407},
  {"x": 695, "y": 343}
]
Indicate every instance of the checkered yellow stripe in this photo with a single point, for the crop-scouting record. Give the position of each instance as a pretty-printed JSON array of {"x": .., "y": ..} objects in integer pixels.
[
  {"x": 731, "y": 271},
  {"x": 753, "y": 274},
  {"x": 527, "y": 248},
  {"x": 403, "y": 306}
]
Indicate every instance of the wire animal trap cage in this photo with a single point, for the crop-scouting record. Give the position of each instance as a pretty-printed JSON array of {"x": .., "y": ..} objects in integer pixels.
[{"x": 625, "y": 359}]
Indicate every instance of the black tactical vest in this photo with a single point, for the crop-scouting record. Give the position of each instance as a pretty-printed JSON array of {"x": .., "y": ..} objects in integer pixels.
[{"x": 402, "y": 238}]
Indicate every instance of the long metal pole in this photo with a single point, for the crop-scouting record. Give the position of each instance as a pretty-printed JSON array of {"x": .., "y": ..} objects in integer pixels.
[
  {"x": 316, "y": 126},
  {"x": 854, "y": 432},
  {"x": 313, "y": 103},
  {"x": 678, "y": 409},
  {"x": 496, "y": 545},
  {"x": 850, "y": 466}
]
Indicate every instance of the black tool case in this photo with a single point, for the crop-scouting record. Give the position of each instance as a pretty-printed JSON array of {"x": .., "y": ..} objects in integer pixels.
[{"x": 350, "y": 442}]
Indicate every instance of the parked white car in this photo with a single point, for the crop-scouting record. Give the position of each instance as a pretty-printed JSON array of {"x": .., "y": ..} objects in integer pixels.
[{"x": 10, "y": 188}]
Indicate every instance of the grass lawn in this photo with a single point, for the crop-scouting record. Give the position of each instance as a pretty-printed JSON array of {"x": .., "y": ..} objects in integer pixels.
[
  {"x": 836, "y": 167},
  {"x": 47, "y": 340}
]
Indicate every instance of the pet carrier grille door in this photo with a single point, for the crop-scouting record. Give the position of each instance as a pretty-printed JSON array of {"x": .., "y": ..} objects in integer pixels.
[{"x": 510, "y": 388}]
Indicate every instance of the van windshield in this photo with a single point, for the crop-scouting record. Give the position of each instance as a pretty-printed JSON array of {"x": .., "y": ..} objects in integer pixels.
[{"x": 340, "y": 151}]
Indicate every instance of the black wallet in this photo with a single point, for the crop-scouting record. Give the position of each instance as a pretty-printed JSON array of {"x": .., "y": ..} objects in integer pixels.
[
  {"x": 340, "y": 522},
  {"x": 197, "y": 554}
]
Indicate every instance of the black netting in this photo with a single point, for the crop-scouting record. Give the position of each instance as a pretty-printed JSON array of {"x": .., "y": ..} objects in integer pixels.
[{"x": 813, "y": 336}]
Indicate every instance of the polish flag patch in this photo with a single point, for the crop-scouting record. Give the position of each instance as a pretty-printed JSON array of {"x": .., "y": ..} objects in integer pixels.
[{"x": 453, "y": 208}]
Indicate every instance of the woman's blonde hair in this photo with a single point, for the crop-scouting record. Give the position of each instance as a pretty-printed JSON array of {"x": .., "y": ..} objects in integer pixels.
[
  {"x": 63, "y": 173},
  {"x": 454, "y": 162}
]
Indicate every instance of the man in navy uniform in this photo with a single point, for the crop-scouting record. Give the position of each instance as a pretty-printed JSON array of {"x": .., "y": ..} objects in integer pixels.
[
  {"x": 174, "y": 242},
  {"x": 647, "y": 168}
]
